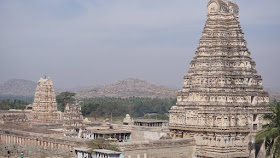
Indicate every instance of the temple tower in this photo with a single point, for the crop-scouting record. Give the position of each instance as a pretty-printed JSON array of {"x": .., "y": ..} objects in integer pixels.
[
  {"x": 44, "y": 107},
  {"x": 73, "y": 118},
  {"x": 222, "y": 102}
]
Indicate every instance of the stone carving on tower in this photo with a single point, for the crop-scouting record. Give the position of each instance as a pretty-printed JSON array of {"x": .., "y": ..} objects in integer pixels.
[
  {"x": 44, "y": 107},
  {"x": 222, "y": 102}
]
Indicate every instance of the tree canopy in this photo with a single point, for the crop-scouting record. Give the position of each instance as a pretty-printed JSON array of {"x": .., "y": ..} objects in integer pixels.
[
  {"x": 270, "y": 133},
  {"x": 63, "y": 98},
  {"x": 118, "y": 107},
  {"x": 12, "y": 104}
]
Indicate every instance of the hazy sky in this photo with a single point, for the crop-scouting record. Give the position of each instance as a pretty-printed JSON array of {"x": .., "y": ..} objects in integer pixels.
[{"x": 95, "y": 42}]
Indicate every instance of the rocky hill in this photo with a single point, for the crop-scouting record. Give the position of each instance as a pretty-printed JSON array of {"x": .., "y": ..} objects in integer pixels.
[
  {"x": 18, "y": 87},
  {"x": 274, "y": 94},
  {"x": 128, "y": 88}
]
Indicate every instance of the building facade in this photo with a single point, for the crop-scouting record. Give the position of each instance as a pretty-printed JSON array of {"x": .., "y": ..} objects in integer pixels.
[{"x": 222, "y": 102}]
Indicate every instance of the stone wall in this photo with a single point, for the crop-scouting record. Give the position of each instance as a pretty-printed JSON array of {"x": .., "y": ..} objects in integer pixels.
[
  {"x": 139, "y": 135},
  {"x": 13, "y": 116},
  {"x": 183, "y": 148},
  {"x": 32, "y": 143}
]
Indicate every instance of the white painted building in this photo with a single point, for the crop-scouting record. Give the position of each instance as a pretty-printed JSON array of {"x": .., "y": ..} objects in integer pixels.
[
  {"x": 97, "y": 153},
  {"x": 83, "y": 152},
  {"x": 103, "y": 153}
]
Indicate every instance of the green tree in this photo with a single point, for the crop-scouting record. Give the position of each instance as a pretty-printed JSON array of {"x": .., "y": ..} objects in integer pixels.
[
  {"x": 12, "y": 104},
  {"x": 271, "y": 132},
  {"x": 63, "y": 98},
  {"x": 105, "y": 107}
]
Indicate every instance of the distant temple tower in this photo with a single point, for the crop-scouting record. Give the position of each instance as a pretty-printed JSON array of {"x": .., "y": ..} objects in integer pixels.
[
  {"x": 72, "y": 116},
  {"x": 44, "y": 107},
  {"x": 222, "y": 102}
]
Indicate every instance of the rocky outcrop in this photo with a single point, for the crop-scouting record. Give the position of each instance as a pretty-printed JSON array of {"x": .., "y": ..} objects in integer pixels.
[
  {"x": 18, "y": 87},
  {"x": 274, "y": 94},
  {"x": 128, "y": 88}
]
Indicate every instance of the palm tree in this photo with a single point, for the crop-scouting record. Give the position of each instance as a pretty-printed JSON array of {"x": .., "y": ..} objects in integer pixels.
[{"x": 270, "y": 133}]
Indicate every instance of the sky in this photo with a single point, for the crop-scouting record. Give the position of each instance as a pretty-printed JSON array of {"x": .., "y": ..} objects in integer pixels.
[{"x": 96, "y": 42}]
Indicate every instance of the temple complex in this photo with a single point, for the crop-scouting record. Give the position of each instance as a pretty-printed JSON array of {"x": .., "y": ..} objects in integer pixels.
[
  {"x": 222, "y": 102},
  {"x": 218, "y": 112}
]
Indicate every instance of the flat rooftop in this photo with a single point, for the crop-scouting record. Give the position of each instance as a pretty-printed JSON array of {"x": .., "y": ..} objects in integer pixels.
[
  {"x": 109, "y": 131},
  {"x": 150, "y": 121},
  {"x": 105, "y": 151},
  {"x": 83, "y": 149}
]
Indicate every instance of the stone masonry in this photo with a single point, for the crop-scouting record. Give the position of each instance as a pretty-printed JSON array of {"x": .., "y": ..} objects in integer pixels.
[
  {"x": 72, "y": 116},
  {"x": 44, "y": 107},
  {"x": 222, "y": 102}
]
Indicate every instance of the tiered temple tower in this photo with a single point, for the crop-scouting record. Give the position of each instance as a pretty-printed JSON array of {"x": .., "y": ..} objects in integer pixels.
[
  {"x": 222, "y": 102},
  {"x": 73, "y": 118},
  {"x": 44, "y": 107}
]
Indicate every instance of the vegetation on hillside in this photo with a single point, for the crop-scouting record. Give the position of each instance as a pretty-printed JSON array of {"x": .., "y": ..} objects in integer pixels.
[
  {"x": 12, "y": 104},
  {"x": 105, "y": 107},
  {"x": 118, "y": 107},
  {"x": 28, "y": 99},
  {"x": 271, "y": 132}
]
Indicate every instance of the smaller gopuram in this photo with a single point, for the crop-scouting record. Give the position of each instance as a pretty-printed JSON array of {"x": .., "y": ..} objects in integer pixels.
[
  {"x": 44, "y": 107},
  {"x": 127, "y": 120},
  {"x": 73, "y": 117}
]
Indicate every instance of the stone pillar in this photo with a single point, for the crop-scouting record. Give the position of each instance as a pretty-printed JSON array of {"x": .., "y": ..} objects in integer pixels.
[{"x": 145, "y": 155}]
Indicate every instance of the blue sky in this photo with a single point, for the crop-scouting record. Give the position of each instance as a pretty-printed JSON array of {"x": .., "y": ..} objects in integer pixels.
[{"x": 95, "y": 42}]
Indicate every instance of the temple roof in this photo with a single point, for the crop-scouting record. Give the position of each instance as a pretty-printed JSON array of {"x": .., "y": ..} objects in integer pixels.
[{"x": 223, "y": 6}]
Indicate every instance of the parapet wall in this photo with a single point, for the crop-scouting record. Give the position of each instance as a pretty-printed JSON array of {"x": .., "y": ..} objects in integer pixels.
[
  {"x": 32, "y": 143},
  {"x": 13, "y": 117}
]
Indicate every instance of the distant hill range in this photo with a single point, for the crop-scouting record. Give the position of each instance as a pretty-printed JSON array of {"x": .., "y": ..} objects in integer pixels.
[
  {"x": 123, "y": 88},
  {"x": 128, "y": 88},
  {"x": 18, "y": 87},
  {"x": 274, "y": 94}
]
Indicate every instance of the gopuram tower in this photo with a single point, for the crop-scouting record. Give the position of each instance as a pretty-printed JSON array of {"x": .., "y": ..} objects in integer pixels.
[
  {"x": 44, "y": 107},
  {"x": 222, "y": 102}
]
